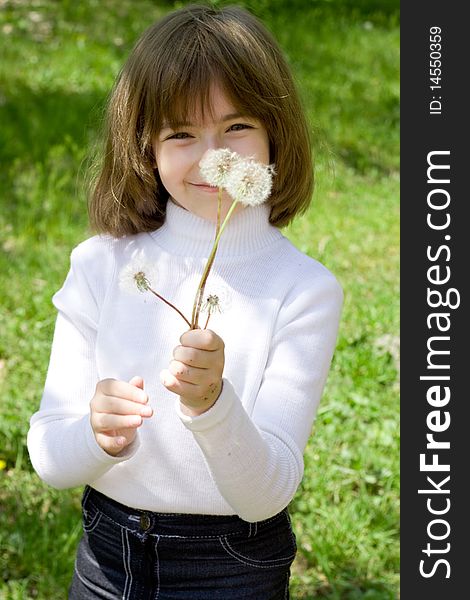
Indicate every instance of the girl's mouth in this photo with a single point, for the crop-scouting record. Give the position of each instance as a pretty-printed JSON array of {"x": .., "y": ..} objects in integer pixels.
[{"x": 205, "y": 187}]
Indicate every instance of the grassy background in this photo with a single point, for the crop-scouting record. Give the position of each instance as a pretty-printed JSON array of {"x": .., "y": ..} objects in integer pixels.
[{"x": 59, "y": 59}]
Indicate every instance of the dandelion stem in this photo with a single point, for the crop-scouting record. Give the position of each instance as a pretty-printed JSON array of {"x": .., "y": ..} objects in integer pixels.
[
  {"x": 210, "y": 262},
  {"x": 222, "y": 227},
  {"x": 219, "y": 210},
  {"x": 200, "y": 292},
  {"x": 169, "y": 304},
  {"x": 207, "y": 320}
]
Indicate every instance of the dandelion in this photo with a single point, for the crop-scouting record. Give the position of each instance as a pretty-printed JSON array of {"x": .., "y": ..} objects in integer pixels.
[
  {"x": 141, "y": 277},
  {"x": 211, "y": 305},
  {"x": 224, "y": 298},
  {"x": 142, "y": 283},
  {"x": 138, "y": 276},
  {"x": 216, "y": 303},
  {"x": 250, "y": 182},
  {"x": 215, "y": 165}
]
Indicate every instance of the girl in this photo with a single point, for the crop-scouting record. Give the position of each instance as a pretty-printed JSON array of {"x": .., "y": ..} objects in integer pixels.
[{"x": 189, "y": 451}]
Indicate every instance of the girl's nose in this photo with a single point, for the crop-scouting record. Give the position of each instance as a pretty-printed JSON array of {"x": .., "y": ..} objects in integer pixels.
[
  {"x": 214, "y": 137},
  {"x": 213, "y": 143},
  {"x": 212, "y": 140}
]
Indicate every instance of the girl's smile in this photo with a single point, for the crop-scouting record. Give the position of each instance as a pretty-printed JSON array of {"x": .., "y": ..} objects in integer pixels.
[
  {"x": 178, "y": 152},
  {"x": 204, "y": 187}
]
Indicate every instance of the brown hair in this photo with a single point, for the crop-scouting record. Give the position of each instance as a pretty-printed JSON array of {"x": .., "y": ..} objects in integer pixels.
[{"x": 168, "y": 76}]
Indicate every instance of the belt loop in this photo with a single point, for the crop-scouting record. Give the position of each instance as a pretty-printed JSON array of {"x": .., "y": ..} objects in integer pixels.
[{"x": 253, "y": 529}]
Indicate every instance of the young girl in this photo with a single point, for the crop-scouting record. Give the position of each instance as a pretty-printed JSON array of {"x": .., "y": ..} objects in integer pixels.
[{"x": 189, "y": 442}]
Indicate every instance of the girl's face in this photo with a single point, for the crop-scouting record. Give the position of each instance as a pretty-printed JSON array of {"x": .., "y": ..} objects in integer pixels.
[{"x": 178, "y": 152}]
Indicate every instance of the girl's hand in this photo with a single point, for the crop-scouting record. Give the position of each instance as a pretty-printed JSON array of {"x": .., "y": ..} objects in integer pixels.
[
  {"x": 195, "y": 373},
  {"x": 117, "y": 410}
]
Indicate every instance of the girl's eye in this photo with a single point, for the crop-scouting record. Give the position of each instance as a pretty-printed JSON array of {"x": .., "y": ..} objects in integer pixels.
[
  {"x": 239, "y": 127},
  {"x": 180, "y": 135}
]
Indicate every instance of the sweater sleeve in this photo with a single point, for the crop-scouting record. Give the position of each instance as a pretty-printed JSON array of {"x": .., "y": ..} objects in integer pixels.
[
  {"x": 61, "y": 443},
  {"x": 257, "y": 461}
]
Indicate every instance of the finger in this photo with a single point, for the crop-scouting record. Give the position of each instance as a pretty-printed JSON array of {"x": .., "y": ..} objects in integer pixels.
[
  {"x": 119, "y": 406},
  {"x": 188, "y": 374},
  {"x": 189, "y": 391},
  {"x": 137, "y": 381},
  {"x": 122, "y": 389},
  {"x": 102, "y": 422},
  {"x": 203, "y": 339},
  {"x": 193, "y": 357},
  {"x": 112, "y": 444},
  {"x": 179, "y": 387},
  {"x": 168, "y": 379}
]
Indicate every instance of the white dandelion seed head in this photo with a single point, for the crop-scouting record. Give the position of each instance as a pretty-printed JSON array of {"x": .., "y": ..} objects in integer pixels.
[
  {"x": 215, "y": 165},
  {"x": 211, "y": 304},
  {"x": 250, "y": 182},
  {"x": 218, "y": 300},
  {"x": 137, "y": 276}
]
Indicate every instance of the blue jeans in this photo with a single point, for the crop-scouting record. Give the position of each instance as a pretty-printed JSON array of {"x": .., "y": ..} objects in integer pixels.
[{"x": 131, "y": 554}]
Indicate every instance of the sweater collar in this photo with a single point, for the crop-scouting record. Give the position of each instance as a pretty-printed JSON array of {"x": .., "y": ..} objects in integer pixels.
[{"x": 186, "y": 234}]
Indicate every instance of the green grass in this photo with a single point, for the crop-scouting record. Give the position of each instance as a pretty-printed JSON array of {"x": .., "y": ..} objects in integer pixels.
[{"x": 59, "y": 59}]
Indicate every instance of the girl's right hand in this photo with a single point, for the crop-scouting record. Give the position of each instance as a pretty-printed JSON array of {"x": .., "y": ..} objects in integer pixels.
[{"x": 117, "y": 410}]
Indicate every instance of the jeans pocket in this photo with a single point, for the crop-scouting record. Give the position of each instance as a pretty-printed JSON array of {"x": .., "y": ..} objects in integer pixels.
[{"x": 271, "y": 545}]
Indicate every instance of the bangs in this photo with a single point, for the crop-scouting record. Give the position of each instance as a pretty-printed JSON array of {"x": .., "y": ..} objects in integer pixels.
[
  {"x": 197, "y": 57},
  {"x": 189, "y": 101}
]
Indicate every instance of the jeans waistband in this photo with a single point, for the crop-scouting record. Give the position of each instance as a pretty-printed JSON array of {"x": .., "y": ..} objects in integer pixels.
[{"x": 172, "y": 524}]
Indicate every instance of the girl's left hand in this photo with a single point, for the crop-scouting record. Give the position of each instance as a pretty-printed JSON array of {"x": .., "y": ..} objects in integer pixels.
[{"x": 195, "y": 373}]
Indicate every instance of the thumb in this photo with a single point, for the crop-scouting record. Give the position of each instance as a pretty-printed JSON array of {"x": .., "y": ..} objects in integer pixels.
[{"x": 137, "y": 381}]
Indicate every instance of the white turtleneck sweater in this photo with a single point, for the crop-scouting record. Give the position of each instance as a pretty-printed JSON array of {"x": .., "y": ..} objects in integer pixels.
[{"x": 244, "y": 455}]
